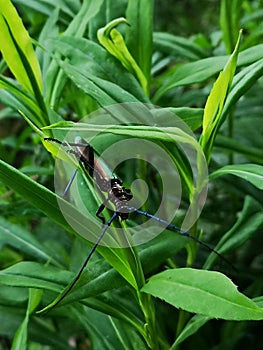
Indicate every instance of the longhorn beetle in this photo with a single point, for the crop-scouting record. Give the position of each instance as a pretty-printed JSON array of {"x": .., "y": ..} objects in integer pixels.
[{"x": 118, "y": 195}]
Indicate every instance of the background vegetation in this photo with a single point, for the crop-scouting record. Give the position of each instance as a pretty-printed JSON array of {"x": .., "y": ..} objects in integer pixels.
[{"x": 171, "y": 56}]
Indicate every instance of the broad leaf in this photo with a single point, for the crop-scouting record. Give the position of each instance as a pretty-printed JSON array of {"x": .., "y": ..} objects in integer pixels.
[{"x": 203, "y": 292}]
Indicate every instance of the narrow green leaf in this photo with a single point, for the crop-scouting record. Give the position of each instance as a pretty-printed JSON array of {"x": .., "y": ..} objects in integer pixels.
[
  {"x": 242, "y": 82},
  {"x": 140, "y": 131},
  {"x": 139, "y": 34},
  {"x": 114, "y": 307},
  {"x": 203, "y": 69},
  {"x": 113, "y": 41},
  {"x": 46, "y": 7},
  {"x": 35, "y": 193},
  {"x": 20, "y": 339},
  {"x": 203, "y": 292},
  {"x": 11, "y": 317},
  {"x": 216, "y": 100},
  {"x": 16, "y": 97},
  {"x": 127, "y": 336},
  {"x": 58, "y": 152},
  {"x": 191, "y": 328},
  {"x": 250, "y": 55},
  {"x": 249, "y": 221},
  {"x": 98, "y": 324},
  {"x": 76, "y": 28},
  {"x": 89, "y": 57},
  {"x": 34, "y": 275},
  {"x": 80, "y": 20},
  {"x": 104, "y": 92},
  {"x": 252, "y": 173},
  {"x": 259, "y": 301},
  {"x": 191, "y": 73},
  {"x": 177, "y": 45},
  {"x": 253, "y": 153},
  {"x": 193, "y": 117},
  {"x": 16, "y": 46},
  {"x": 17, "y": 237},
  {"x": 35, "y": 296},
  {"x": 230, "y": 15}
]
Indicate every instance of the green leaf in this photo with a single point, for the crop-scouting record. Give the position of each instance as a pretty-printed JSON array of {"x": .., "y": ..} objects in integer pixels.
[
  {"x": 230, "y": 16},
  {"x": 34, "y": 275},
  {"x": 17, "y": 237},
  {"x": 177, "y": 45},
  {"x": 59, "y": 152},
  {"x": 18, "y": 52},
  {"x": 17, "y": 98},
  {"x": 250, "y": 55},
  {"x": 35, "y": 296},
  {"x": 139, "y": 34},
  {"x": 249, "y": 221},
  {"x": 89, "y": 57},
  {"x": 80, "y": 20},
  {"x": 35, "y": 193},
  {"x": 104, "y": 92},
  {"x": 242, "y": 82},
  {"x": 113, "y": 41},
  {"x": 201, "y": 70},
  {"x": 99, "y": 278},
  {"x": 76, "y": 28},
  {"x": 203, "y": 292},
  {"x": 98, "y": 324},
  {"x": 20, "y": 339},
  {"x": 113, "y": 304},
  {"x": 191, "y": 73},
  {"x": 46, "y": 7},
  {"x": 191, "y": 328},
  {"x": 253, "y": 153},
  {"x": 193, "y": 117},
  {"x": 252, "y": 173},
  {"x": 129, "y": 339},
  {"x": 259, "y": 301},
  {"x": 161, "y": 248},
  {"x": 140, "y": 131},
  {"x": 215, "y": 102}
]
